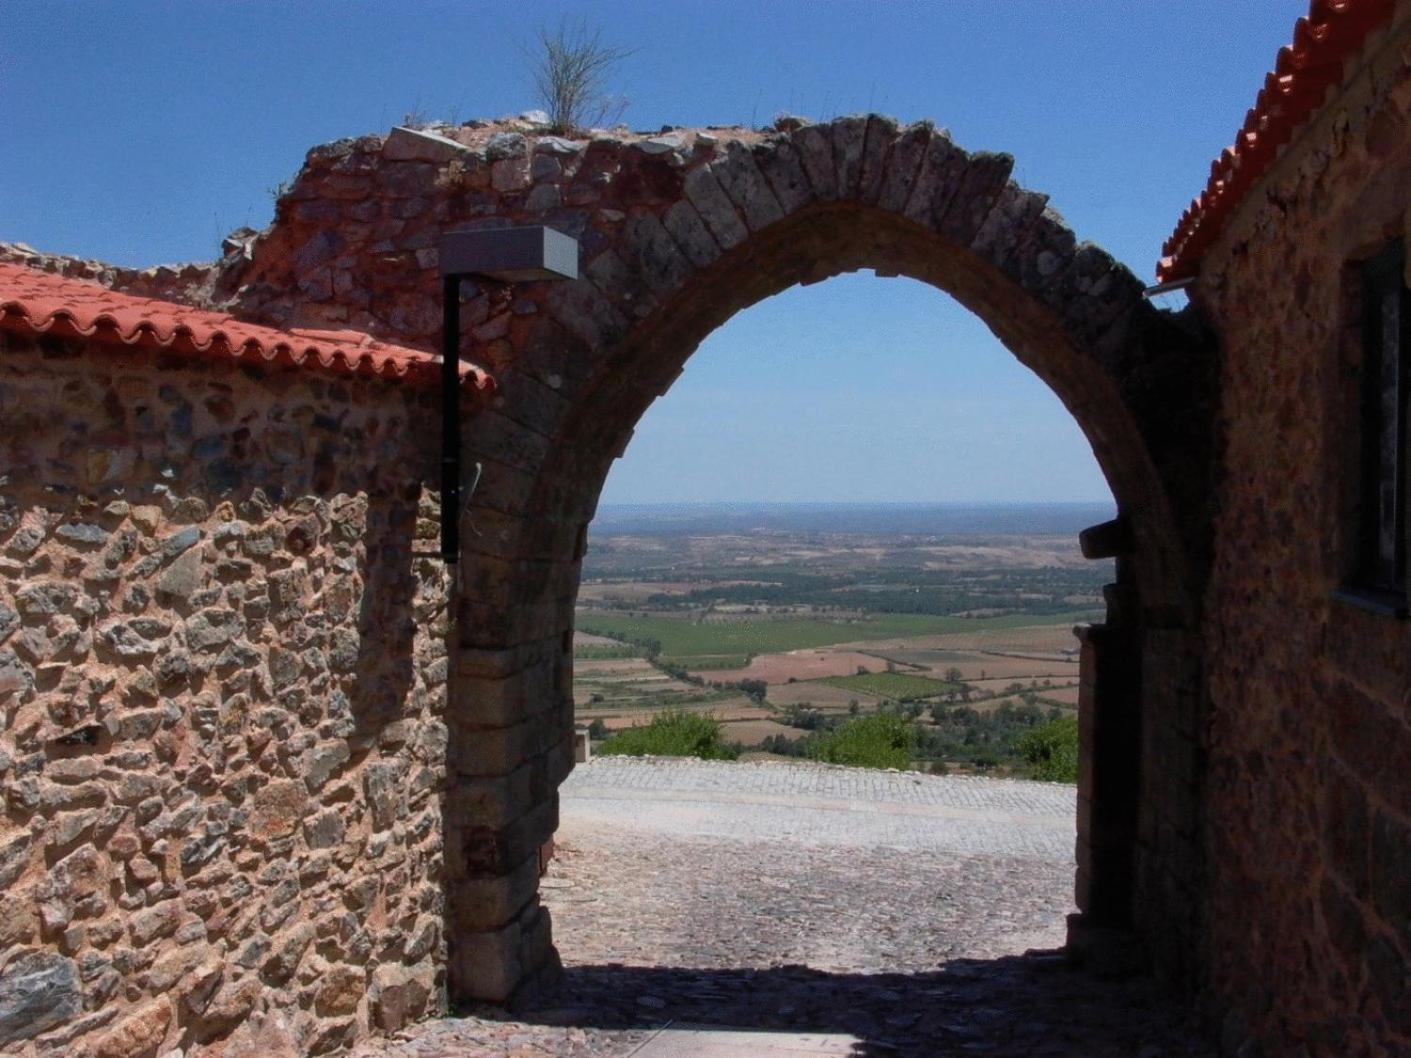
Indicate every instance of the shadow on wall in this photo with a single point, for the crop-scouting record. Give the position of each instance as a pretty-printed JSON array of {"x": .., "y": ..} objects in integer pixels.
[
  {"x": 385, "y": 672},
  {"x": 378, "y": 650}
]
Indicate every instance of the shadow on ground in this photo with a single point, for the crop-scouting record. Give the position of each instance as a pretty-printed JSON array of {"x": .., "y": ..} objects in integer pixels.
[{"x": 1035, "y": 1004}]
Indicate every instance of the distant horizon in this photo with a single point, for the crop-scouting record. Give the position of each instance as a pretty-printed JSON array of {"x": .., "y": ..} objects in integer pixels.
[
  {"x": 901, "y": 518},
  {"x": 655, "y": 504}
]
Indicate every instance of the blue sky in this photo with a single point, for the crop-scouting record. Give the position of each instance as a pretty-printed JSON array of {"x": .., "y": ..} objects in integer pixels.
[{"x": 141, "y": 133}]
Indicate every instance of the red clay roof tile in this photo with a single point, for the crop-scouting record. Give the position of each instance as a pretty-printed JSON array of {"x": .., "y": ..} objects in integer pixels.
[
  {"x": 1303, "y": 73},
  {"x": 37, "y": 302}
]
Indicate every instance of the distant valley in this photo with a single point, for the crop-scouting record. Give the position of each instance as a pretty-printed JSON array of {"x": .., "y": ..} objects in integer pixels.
[{"x": 785, "y": 622}]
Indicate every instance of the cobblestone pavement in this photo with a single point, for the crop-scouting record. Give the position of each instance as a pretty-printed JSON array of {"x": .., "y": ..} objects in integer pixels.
[
  {"x": 825, "y": 805},
  {"x": 917, "y": 913}
]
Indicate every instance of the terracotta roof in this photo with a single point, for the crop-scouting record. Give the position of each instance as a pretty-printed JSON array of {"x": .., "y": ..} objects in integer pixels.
[
  {"x": 1303, "y": 73},
  {"x": 35, "y": 302}
]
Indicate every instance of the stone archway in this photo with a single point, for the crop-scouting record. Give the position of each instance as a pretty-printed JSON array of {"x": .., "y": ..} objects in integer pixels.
[{"x": 678, "y": 233}]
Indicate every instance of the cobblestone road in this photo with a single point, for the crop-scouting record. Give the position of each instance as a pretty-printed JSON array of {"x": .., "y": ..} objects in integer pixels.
[
  {"x": 824, "y": 805},
  {"x": 917, "y": 913}
]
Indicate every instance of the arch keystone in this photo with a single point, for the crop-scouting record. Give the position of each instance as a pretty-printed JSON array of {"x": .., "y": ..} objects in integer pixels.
[
  {"x": 881, "y": 136},
  {"x": 815, "y": 147},
  {"x": 849, "y": 138}
]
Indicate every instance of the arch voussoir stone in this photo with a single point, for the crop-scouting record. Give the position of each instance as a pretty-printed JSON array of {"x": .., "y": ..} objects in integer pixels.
[
  {"x": 1006, "y": 227},
  {"x": 620, "y": 286},
  {"x": 937, "y": 181},
  {"x": 980, "y": 186},
  {"x": 1096, "y": 296},
  {"x": 1044, "y": 259},
  {"x": 778, "y": 159},
  {"x": 715, "y": 208},
  {"x": 692, "y": 236},
  {"x": 744, "y": 184},
  {"x": 585, "y": 312},
  {"x": 903, "y": 164},
  {"x": 653, "y": 254}
]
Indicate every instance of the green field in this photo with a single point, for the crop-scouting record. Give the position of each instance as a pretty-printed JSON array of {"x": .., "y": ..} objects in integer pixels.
[
  {"x": 896, "y": 685},
  {"x": 683, "y": 638}
]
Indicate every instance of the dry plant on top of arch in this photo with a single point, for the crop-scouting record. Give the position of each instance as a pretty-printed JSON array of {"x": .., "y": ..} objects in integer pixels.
[{"x": 570, "y": 73}]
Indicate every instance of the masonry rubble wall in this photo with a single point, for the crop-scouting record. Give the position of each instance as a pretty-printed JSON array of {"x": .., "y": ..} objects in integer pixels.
[
  {"x": 222, "y": 692},
  {"x": 1308, "y": 802}
]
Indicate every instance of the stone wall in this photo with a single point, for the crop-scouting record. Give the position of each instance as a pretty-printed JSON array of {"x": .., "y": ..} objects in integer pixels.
[
  {"x": 222, "y": 673},
  {"x": 1308, "y": 802}
]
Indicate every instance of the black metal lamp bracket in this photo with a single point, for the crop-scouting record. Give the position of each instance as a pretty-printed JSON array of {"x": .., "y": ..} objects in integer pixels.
[{"x": 503, "y": 255}]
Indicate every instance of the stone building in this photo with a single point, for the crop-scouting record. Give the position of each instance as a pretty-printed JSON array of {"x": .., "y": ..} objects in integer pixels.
[
  {"x": 1297, "y": 250},
  {"x": 267, "y": 770},
  {"x": 223, "y": 676}
]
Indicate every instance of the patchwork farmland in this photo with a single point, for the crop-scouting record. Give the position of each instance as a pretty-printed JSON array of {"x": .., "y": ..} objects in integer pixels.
[{"x": 780, "y": 633}]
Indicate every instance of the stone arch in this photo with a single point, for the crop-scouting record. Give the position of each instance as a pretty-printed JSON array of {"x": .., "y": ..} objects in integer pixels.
[{"x": 678, "y": 233}]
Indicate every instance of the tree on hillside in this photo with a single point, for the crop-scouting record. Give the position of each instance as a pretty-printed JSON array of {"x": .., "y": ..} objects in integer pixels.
[{"x": 754, "y": 689}]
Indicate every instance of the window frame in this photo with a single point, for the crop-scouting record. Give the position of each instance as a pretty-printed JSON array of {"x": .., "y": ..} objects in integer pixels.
[{"x": 1381, "y": 559}]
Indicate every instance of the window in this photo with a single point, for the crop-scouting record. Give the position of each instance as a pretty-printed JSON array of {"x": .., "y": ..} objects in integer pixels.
[{"x": 1386, "y": 377}]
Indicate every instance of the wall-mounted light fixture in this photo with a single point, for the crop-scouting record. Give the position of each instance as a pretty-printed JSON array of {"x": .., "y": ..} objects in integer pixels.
[{"x": 503, "y": 255}]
